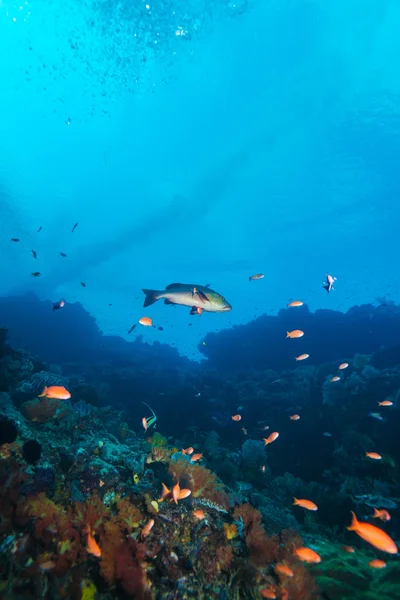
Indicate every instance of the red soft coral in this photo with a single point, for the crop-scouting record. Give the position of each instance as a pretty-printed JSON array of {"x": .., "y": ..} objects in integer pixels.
[{"x": 263, "y": 549}]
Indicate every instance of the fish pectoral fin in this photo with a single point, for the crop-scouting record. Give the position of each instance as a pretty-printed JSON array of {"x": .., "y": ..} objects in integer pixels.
[
  {"x": 202, "y": 296},
  {"x": 166, "y": 301}
]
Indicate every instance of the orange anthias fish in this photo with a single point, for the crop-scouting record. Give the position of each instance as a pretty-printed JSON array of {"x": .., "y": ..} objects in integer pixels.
[
  {"x": 307, "y": 555},
  {"x": 295, "y": 303},
  {"x": 271, "y": 438},
  {"x": 189, "y": 450},
  {"x": 146, "y": 529},
  {"x": 196, "y": 457},
  {"x": 373, "y": 535},
  {"x": 199, "y": 514},
  {"x": 343, "y": 366},
  {"x": 257, "y": 276},
  {"x": 282, "y": 569},
  {"x": 385, "y": 403},
  {"x": 294, "y": 417},
  {"x": 373, "y": 455},
  {"x": 57, "y": 392},
  {"x": 268, "y": 592},
  {"x": 305, "y": 504},
  {"x": 348, "y": 549},
  {"x": 236, "y": 417},
  {"x": 302, "y": 357},
  {"x": 377, "y": 564},
  {"x": 176, "y": 492},
  {"x": 184, "y": 494},
  {"x": 333, "y": 379},
  {"x": 383, "y": 514},
  {"x": 144, "y": 423},
  {"x": 296, "y": 333},
  {"x": 92, "y": 545},
  {"x": 165, "y": 493},
  {"x": 146, "y": 321}
]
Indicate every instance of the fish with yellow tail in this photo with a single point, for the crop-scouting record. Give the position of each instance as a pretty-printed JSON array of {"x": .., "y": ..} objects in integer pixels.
[{"x": 191, "y": 295}]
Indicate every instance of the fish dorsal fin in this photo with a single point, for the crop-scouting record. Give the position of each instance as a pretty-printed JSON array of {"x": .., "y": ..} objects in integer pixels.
[{"x": 173, "y": 285}]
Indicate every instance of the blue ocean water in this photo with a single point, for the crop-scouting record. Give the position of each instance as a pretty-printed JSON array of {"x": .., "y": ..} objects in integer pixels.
[
  {"x": 206, "y": 141},
  {"x": 199, "y": 142}
]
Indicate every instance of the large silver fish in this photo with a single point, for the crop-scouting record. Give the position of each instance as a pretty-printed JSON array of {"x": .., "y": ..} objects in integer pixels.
[{"x": 188, "y": 294}]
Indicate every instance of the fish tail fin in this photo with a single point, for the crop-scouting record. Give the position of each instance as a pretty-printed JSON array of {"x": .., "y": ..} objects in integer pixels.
[
  {"x": 287, "y": 334},
  {"x": 151, "y": 297},
  {"x": 376, "y": 512},
  {"x": 295, "y": 501},
  {"x": 43, "y": 393},
  {"x": 354, "y": 522}
]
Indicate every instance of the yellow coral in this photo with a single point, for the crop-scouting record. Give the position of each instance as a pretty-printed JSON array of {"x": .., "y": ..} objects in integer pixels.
[
  {"x": 230, "y": 531},
  {"x": 88, "y": 590}
]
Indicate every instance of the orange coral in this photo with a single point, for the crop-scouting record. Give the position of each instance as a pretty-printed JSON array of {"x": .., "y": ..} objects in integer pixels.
[
  {"x": 202, "y": 482},
  {"x": 224, "y": 556},
  {"x": 129, "y": 516},
  {"x": 43, "y": 409},
  {"x": 263, "y": 549}
]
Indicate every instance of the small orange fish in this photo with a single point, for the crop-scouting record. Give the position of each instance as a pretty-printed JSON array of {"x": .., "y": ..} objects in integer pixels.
[
  {"x": 377, "y": 564},
  {"x": 144, "y": 423},
  {"x": 196, "y": 457},
  {"x": 176, "y": 491},
  {"x": 295, "y": 303},
  {"x": 189, "y": 450},
  {"x": 343, "y": 366},
  {"x": 255, "y": 277},
  {"x": 263, "y": 468},
  {"x": 373, "y": 535},
  {"x": 271, "y": 438},
  {"x": 184, "y": 494},
  {"x": 302, "y": 357},
  {"x": 92, "y": 545},
  {"x": 236, "y": 417},
  {"x": 165, "y": 493},
  {"x": 284, "y": 594},
  {"x": 199, "y": 514},
  {"x": 348, "y": 549},
  {"x": 56, "y": 392},
  {"x": 373, "y": 455},
  {"x": 282, "y": 569},
  {"x": 146, "y": 529},
  {"x": 305, "y": 504},
  {"x": 268, "y": 592},
  {"x": 296, "y": 333},
  {"x": 101, "y": 483},
  {"x": 385, "y": 403},
  {"x": 307, "y": 555},
  {"x": 294, "y": 417},
  {"x": 146, "y": 321},
  {"x": 333, "y": 379},
  {"x": 383, "y": 514}
]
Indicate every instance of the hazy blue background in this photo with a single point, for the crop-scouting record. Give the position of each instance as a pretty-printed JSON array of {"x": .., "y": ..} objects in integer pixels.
[{"x": 200, "y": 141}]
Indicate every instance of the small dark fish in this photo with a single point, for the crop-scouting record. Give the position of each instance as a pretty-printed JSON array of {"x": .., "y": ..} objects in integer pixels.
[
  {"x": 208, "y": 285},
  {"x": 74, "y": 227},
  {"x": 83, "y": 284},
  {"x": 110, "y": 305},
  {"x": 40, "y": 229},
  {"x": 36, "y": 274},
  {"x": 58, "y": 305},
  {"x": 132, "y": 328},
  {"x": 15, "y": 239},
  {"x": 160, "y": 328},
  {"x": 34, "y": 254},
  {"x": 63, "y": 254}
]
